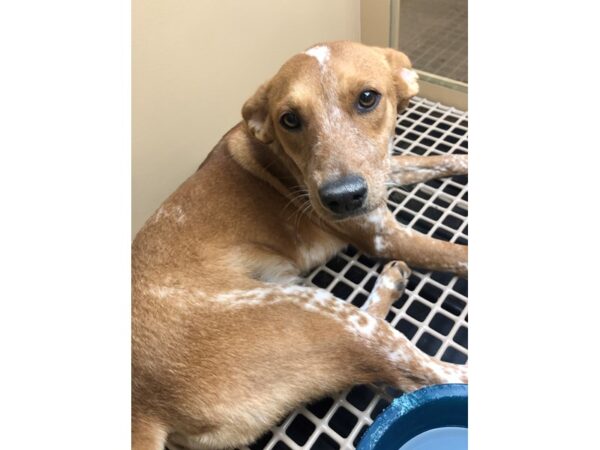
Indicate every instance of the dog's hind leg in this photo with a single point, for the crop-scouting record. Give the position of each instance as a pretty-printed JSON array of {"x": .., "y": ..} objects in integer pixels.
[
  {"x": 362, "y": 345},
  {"x": 410, "y": 169},
  {"x": 295, "y": 344}
]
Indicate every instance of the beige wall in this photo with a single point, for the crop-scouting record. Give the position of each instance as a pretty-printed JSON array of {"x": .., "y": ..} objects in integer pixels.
[
  {"x": 375, "y": 22},
  {"x": 194, "y": 64}
]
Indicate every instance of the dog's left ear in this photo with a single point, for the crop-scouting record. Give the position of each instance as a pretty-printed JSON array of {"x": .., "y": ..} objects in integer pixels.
[
  {"x": 405, "y": 78},
  {"x": 256, "y": 115}
]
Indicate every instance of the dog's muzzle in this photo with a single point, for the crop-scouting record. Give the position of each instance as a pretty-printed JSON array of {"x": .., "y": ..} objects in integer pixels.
[{"x": 344, "y": 196}]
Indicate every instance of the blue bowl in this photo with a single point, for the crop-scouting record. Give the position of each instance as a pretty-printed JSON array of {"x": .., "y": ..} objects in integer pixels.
[{"x": 432, "y": 408}]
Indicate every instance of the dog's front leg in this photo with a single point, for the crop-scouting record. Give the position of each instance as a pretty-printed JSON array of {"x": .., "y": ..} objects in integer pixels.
[
  {"x": 410, "y": 169},
  {"x": 380, "y": 235}
]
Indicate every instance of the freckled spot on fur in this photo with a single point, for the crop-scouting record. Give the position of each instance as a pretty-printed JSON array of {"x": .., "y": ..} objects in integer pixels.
[
  {"x": 446, "y": 374},
  {"x": 158, "y": 214},
  {"x": 362, "y": 324},
  {"x": 311, "y": 307},
  {"x": 403, "y": 356},
  {"x": 179, "y": 214},
  {"x": 294, "y": 290},
  {"x": 170, "y": 212},
  {"x": 163, "y": 292}
]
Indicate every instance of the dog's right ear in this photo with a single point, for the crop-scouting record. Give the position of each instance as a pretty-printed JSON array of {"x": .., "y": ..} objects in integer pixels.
[{"x": 256, "y": 115}]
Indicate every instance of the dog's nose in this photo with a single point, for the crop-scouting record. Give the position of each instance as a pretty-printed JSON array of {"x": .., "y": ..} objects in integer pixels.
[{"x": 344, "y": 195}]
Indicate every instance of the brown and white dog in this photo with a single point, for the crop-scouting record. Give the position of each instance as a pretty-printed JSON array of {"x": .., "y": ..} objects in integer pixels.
[{"x": 224, "y": 341}]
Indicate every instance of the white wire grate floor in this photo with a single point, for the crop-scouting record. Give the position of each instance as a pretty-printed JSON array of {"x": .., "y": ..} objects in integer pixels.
[{"x": 433, "y": 310}]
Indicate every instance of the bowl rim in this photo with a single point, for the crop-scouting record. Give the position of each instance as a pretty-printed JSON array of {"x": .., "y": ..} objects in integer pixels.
[{"x": 403, "y": 405}]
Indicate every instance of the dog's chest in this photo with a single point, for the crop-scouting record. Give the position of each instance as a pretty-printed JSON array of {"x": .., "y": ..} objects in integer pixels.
[
  {"x": 293, "y": 257},
  {"x": 315, "y": 248}
]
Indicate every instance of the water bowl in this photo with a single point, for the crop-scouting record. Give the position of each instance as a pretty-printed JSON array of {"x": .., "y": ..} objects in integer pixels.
[{"x": 432, "y": 418}]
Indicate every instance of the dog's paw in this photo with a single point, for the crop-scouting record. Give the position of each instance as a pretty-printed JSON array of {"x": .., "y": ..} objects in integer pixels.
[{"x": 395, "y": 275}]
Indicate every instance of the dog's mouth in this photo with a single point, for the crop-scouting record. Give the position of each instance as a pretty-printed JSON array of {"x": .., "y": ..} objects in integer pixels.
[
  {"x": 339, "y": 218},
  {"x": 350, "y": 215}
]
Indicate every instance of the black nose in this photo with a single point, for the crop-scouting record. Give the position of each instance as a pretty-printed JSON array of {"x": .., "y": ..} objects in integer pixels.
[{"x": 345, "y": 195}]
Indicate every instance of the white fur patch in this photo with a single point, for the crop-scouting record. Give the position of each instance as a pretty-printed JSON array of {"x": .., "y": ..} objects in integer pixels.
[
  {"x": 367, "y": 329},
  {"x": 284, "y": 273},
  {"x": 408, "y": 231},
  {"x": 313, "y": 300},
  {"x": 373, "y": 299},
  {"x": 310, "y": 256},
  {"x": 255, "y": 125},
  {"x": 388, "y": 282},
  {"x": 379, "y": 244},
  {"x": 455, "y": 374},
  {"x": 384, "y": 281},
  {"x": 374, "y": 217},
  {"x": 427, "y": 171},
  {"x": 179, "y": 214},
  {"x": 169, "y": 212},
  {"x": 411, "y": 78},
  {"x": 163, "y": 292},
  {"x": 320, "y": 53},
  {"x": 374, "y": 221}
]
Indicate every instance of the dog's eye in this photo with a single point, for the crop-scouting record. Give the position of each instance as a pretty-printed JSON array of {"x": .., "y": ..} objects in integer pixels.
[
  {"x": 368, "y": 100},
  {"x": 290, "y": 121}
]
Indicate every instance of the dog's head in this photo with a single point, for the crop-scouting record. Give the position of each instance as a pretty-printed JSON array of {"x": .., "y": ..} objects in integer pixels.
[{"x": 331, "y": 113}]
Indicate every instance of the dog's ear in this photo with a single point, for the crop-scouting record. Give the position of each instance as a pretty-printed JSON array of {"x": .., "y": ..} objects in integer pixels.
[
  {"x": 405, "y": 78},
  {"x": 256, "y": 115}
]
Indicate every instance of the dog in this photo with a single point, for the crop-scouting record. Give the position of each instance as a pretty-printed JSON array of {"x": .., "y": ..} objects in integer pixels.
[{"x": 225, "y": 340}]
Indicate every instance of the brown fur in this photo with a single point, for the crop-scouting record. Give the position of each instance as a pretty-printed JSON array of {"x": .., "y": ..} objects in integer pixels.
[{"x": 220, "y": 351}]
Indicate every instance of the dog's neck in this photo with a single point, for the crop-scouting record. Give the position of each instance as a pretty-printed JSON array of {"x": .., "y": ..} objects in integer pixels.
[{"x": 277, "y": 163}]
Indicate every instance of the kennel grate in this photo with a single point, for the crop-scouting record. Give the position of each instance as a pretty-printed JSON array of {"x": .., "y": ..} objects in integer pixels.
[{"x": 433, "y": 310}]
